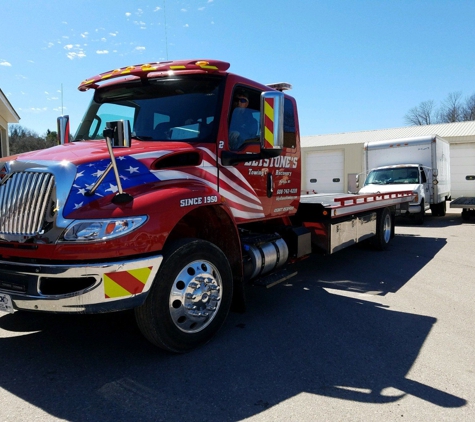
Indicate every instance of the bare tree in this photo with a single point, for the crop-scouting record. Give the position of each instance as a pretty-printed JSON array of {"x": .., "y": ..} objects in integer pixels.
[
  {"x": 423, "y": 114},
  {"x": 452, "y": 108},
  {"x": 469, "y": 109}
]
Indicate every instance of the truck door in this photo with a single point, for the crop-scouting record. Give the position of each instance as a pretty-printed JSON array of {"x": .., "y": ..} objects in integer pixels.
[
  {"x": 286, "y": 168},
  {"x": 259, "y": 188},
  {"x": 244, "y": 185},
  {"x": 428, "y": 194}
]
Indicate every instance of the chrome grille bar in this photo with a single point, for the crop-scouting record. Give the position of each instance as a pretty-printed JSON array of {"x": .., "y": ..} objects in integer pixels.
[{"x": 24, "y": 199}]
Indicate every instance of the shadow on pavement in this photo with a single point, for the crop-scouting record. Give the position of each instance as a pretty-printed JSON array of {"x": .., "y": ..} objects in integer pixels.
[
  {"x": 294, "y": 338},
  {"x": 359, "y": 269},
  {"x": 450, "y": 219}
]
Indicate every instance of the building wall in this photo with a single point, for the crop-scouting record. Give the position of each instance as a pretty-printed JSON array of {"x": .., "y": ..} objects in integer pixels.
[
  {"x": 7, "y": 115},
  {"x": 353, "y": 162},
  {"x": 4, "y": 150}
]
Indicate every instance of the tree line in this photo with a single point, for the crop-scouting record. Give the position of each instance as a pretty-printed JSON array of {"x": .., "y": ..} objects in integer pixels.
[
  {"x": 22, "y": 139},
  {"x": 454, "y": 108}
]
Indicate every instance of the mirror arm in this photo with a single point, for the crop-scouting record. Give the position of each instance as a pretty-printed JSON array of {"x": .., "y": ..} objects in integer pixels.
[{"x": 121, "y": 197}]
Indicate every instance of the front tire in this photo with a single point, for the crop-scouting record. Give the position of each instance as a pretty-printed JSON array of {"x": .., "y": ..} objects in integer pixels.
[
  {"x": 420, "y": 215},
  {"x": 189, "y": 299}
]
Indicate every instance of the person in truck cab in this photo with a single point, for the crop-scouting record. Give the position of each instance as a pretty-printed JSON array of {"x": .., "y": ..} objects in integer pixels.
[{"x": 243, "y": 125}]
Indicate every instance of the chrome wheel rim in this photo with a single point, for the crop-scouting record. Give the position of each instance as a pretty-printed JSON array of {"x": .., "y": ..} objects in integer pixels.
[
  {"x": 387, "y": 228},
  {"x": 195, "y": 296}
]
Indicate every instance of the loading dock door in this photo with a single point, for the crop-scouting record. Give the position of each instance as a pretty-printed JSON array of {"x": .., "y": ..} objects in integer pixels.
[
  {"x": 462, "y": 164},
  {"x": 324, "y": 171}
]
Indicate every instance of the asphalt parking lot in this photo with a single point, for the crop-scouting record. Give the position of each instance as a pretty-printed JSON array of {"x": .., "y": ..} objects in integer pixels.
[{"x": 359, "y": 335}]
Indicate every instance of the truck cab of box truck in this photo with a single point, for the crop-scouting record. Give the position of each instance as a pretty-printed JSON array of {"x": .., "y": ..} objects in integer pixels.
[
  {"x": 401, "y": 177},
  {"x": 421, "y": 164}
]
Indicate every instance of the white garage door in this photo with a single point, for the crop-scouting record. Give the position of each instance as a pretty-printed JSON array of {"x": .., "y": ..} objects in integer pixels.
[
  {"x": 324, "y": 171},
  {"x": 462, "y": 164}
]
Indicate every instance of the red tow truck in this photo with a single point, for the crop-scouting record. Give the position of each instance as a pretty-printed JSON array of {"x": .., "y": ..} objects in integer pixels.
[{"x": 149, "y": 208}]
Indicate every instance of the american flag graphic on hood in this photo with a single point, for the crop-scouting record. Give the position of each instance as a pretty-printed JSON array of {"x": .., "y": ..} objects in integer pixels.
[{"x": 131, "y": 171}]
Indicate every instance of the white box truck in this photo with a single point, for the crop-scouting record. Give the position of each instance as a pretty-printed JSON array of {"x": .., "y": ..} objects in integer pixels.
[{"x": 421, "y": 164}]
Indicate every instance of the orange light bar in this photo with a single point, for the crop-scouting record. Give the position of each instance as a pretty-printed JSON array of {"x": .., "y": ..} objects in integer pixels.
[{"x": 142, "y": 70}]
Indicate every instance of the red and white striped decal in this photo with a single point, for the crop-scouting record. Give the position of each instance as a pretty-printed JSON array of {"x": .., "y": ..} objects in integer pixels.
[
  {"x": 233, "y": 186},
  {"x": 240, "y": 195}
]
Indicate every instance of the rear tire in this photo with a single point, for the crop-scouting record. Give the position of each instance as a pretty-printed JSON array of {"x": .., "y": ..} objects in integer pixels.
[
  {"x": 190, "y": 297},
  {"x": 384, "y": 230},
  {"x": 465, "y": 214},
  {"x": 443, "y": 208},
  {"x": 439, "y": 210}
]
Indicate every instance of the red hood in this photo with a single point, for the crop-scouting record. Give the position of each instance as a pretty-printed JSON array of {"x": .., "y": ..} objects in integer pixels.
[{"x": 87, "y": 151}]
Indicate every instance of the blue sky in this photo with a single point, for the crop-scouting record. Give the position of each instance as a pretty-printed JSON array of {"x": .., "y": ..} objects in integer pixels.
[{"x": 354, "y": 64}]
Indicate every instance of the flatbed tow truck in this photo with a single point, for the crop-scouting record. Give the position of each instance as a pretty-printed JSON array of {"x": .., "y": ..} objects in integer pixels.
[{"x": 151, "y": 206}]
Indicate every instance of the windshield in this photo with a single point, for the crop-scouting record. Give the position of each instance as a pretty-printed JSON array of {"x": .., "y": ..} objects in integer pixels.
[
  {"x": 393, "y": 176},
  {"x": 176, "y": 108}
]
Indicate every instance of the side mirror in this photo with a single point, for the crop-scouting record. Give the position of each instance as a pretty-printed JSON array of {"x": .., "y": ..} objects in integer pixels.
[
  {"x": 272, "y": 123},
  {"x": 119, "y": 133},
  {"x": 63, "y": 130}
]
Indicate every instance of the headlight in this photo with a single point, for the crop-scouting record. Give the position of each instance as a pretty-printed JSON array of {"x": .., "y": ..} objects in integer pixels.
[
  {"x": 99, "y": 230},
  {"x": 416, "y": 197}
]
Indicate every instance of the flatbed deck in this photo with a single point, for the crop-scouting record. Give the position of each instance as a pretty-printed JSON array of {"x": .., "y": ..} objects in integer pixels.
[
  {"x": 338, "y": 205},
  {"x": 463, "y": 202}
]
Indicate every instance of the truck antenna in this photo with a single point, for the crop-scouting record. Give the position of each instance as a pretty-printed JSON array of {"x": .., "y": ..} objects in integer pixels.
[{"x": 166, "y": 35}]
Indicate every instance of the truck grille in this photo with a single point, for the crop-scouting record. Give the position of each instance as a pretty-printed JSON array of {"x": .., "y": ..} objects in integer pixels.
[{"x": 24, "y": 200}]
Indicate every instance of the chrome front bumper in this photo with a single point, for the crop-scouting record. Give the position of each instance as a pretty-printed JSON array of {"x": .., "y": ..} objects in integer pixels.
[
  {"x": 84, "y": 288},
  {"x": 409, "y": 209},
  {"x": 414, "y": 209}
]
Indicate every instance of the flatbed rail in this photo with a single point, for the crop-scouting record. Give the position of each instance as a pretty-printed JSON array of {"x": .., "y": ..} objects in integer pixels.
[{"x": 338, "y": 206}]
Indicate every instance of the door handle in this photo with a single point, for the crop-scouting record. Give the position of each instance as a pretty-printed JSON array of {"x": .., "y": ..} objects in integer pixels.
[{"x": 270, "y": 185}]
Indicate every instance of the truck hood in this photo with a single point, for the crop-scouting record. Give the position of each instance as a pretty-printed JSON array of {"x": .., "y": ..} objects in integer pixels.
[
  {"x": 88, "y": 151},
  {"x": 79, "y": 167},
  {"x": 388, "y": 188}
]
